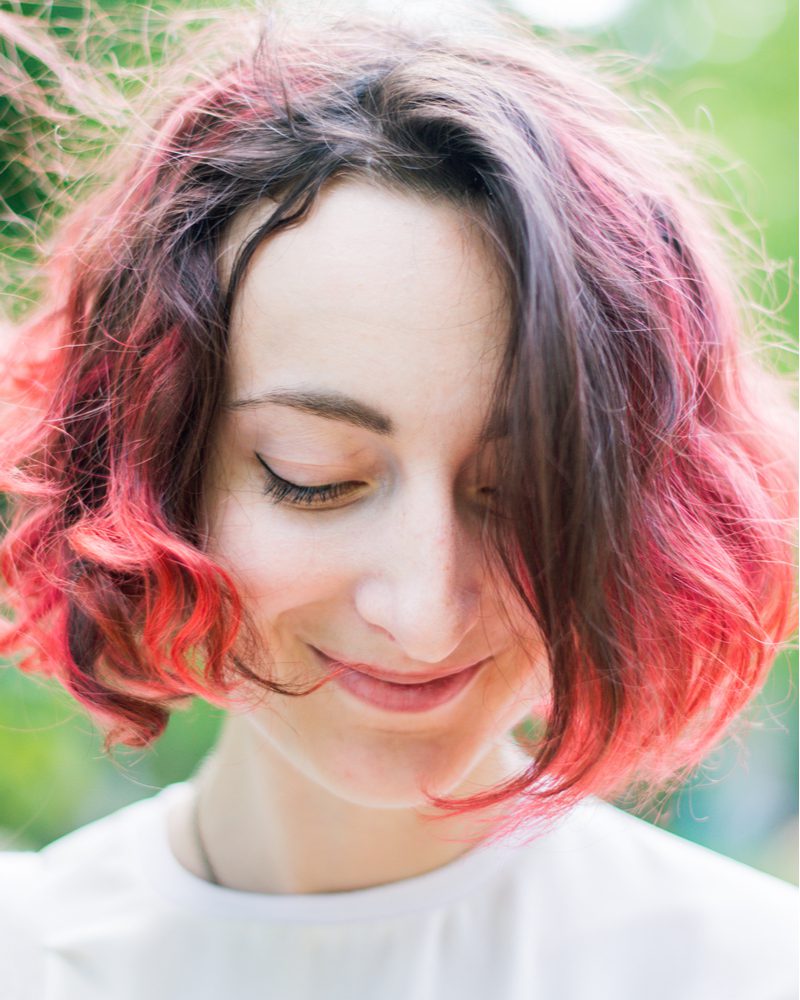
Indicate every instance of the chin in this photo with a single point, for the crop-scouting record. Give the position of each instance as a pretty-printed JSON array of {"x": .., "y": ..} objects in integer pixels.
[{"x": 395, "y": 777}]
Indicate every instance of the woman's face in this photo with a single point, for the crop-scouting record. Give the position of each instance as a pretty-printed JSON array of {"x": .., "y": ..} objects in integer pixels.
[{"x": 389, "y": 306}]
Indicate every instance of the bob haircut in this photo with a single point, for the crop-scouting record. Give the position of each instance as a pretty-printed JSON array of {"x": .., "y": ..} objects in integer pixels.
[{"x": 648, "y": 487}]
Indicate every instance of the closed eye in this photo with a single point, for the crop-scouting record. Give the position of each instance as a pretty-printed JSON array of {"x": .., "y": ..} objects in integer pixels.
[{"x": 281, "y": 491}]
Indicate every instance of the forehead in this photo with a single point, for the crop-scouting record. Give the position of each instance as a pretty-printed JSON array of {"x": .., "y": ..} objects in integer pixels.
[{"x": 388, "y": 296}]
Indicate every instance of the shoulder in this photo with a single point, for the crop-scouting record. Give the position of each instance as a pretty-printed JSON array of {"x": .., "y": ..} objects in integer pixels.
[
  {"x": 62, "y": 901},
  {"x": 638, "y": 854},
  {"x": 714, "y": 927},
  {"x": 96, "y": 871},
  {"x": 21, "y": 908}
]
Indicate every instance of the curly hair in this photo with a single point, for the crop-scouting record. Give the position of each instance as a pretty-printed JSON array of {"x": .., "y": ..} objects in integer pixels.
[{"x": 648, "y": 489}]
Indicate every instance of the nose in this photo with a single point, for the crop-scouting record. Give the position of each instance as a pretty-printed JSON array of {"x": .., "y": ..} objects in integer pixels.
[{"x": 422, "y": 583}]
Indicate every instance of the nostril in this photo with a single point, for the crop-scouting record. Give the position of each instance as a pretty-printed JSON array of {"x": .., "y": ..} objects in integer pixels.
[{"x": 384, "y": 631}]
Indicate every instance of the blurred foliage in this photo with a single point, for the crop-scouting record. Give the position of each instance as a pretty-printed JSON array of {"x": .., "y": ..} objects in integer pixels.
[{"x": 727, "y": 69}]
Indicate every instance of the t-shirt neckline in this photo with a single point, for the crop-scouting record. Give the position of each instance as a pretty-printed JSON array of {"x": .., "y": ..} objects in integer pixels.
[{"x": 169, "y": 878}]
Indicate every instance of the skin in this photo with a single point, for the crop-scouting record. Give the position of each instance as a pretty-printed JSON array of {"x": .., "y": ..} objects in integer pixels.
[{"x": 394, "y": 299}]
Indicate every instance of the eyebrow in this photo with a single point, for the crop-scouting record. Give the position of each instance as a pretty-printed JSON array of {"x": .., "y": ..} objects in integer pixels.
[
  {"x": 333, "y": 405},
  {"x": 322, "y": 403}
]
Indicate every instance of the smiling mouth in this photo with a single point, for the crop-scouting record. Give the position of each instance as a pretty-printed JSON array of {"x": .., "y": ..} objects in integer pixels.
[
  {"x": 409, "y": 695},
  {"x": 388, "y": 676}
]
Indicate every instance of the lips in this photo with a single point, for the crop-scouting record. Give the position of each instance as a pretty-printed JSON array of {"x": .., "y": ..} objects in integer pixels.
[
  {"x": 406, "y": 694},
  {"x": 390, "y": 677}
]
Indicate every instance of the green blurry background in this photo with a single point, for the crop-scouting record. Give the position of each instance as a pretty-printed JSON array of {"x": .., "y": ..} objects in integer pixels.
[{"x": 725, "y": 68}]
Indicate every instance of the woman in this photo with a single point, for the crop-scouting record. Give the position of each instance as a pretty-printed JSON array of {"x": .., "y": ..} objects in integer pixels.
[{"x": 392, "y": 394}]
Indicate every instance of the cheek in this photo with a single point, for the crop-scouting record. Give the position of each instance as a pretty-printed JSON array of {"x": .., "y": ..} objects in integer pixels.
[{"x": 278, "y": 560}]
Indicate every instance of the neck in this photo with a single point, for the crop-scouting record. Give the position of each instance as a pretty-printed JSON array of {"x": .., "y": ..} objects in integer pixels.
[{"x": 267, "y": 827}]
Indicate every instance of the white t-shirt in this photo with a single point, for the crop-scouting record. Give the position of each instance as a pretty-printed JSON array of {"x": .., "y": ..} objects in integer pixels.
[{"x": 602, "y": 907}]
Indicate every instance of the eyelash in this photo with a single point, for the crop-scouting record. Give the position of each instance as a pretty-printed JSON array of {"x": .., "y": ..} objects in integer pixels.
[{"x": 282, "y": 491}]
